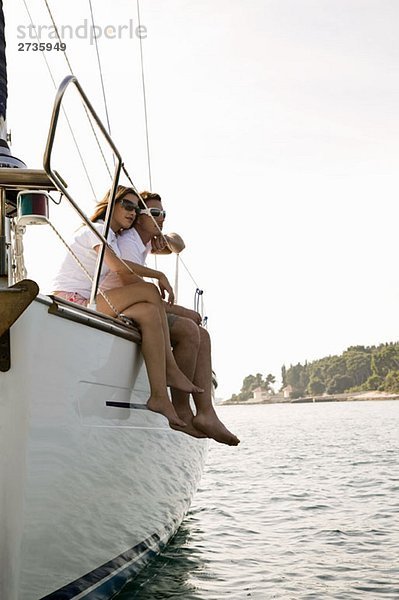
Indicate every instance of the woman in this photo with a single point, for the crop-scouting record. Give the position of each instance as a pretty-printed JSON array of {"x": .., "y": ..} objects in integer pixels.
[{"x": 127, "y": 293}]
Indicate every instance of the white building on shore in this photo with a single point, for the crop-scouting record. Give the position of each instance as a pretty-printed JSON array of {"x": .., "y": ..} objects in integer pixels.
[{"x": 260, "y": 395}]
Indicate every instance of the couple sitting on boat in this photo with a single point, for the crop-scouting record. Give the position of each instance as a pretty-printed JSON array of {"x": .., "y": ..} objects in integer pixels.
[{"x": 134, "y": 231}]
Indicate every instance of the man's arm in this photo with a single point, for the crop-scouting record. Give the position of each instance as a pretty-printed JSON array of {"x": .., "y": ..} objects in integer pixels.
[{"x": 167, "y": 243}]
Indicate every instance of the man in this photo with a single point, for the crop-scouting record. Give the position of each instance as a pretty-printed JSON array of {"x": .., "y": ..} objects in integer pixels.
[{"x": 191, "y": 343}]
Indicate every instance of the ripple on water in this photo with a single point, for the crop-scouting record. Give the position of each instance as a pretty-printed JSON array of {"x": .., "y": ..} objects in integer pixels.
[{"x": 304, "y": 509}]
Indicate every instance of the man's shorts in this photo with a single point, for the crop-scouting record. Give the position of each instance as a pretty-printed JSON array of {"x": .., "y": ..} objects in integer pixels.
[{"x": 171, "y": 319}]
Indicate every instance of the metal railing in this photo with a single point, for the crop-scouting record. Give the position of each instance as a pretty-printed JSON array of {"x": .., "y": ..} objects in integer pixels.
[{"x": 60, "y": 184}]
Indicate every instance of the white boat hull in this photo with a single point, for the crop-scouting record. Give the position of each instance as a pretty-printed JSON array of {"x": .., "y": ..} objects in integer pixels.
[{"x": 89, "y": 490}]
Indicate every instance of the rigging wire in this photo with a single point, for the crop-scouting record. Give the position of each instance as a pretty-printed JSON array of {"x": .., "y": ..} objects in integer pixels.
[
  {"x": 72, "y": 73},
  {"x": 63, "y": 109},
  {"x": 148, "y": 141},
  {"x": 144, "y": 98},
  {"x": 188, "y": 271},
  {"x": 100, "y": 69},
  {"x": 198, "y": 291},
  {"x": 58, "y": 35}
]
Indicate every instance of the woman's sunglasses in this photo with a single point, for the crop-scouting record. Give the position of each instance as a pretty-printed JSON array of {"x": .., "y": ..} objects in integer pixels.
[
  {"x": 129, "y": 205},
  {"x": 154, "y": 212}
]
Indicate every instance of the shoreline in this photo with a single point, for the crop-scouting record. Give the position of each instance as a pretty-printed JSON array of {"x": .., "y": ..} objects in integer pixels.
[{"x": 347, "y": 397}]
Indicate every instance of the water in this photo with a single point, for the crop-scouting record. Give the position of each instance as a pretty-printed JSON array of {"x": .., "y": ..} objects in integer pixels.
[{"x": 307, "y": 507}]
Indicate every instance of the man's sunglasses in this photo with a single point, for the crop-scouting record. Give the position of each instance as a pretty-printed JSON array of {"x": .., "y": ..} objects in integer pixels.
[
  {"x": 129, "y": 205},
  {"x": 154, "y": 212}
]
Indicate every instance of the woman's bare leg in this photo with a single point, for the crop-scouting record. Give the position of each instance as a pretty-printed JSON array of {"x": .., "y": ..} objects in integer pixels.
[
  {"x": 147, "y": 316},
  {"x": 128, "y": 296},
  {"x": 153, "y": 349}
]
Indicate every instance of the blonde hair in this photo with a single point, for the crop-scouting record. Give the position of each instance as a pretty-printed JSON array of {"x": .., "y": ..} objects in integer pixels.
[
  {"x": 101, "y": 206},
  {"x": 145, "y": 195}
]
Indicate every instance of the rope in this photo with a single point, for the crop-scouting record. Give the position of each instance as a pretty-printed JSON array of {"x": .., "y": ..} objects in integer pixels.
[
  {"x": 107, "y": 300},
  {"x": 144, "y": 98},
  {"x": 85, "y": 108},
  {"x": 177, "y": 277},
  {"x": 103, "y": 294},
  {"x": 198, "y": 291}
]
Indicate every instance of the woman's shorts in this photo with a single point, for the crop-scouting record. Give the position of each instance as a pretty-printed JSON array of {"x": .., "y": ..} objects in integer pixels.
[{"x": 73, "y": 297}]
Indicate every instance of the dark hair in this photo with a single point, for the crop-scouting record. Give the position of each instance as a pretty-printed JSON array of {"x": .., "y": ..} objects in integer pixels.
[
  {"x": 101, "y": 207},
  {"x": 148, "y": 196}
]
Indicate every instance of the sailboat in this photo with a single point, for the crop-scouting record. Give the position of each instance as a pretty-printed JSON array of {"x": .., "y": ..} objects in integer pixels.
[{"x": 92, "y": 485}]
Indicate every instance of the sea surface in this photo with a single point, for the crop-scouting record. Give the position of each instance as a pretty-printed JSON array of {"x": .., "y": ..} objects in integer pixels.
[{"x": 307, "y": 507}]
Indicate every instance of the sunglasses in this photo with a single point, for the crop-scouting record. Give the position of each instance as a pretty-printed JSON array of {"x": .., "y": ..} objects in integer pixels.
[
  {"x": 128, "y": 205},
  {"x": 154, "y": 212}
]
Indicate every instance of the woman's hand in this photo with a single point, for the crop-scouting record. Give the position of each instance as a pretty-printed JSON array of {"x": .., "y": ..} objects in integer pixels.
[{"x": 165, "y": 286}]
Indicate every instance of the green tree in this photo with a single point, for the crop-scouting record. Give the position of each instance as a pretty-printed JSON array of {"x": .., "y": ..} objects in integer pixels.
[
  {"x": 386, "y": 359},
  {"x": 248, "y": 385},
  {"x": 339, "y": 384},
  {"x": 258, "y": 381},
  {"x": 374, "y": 382},
  {"x": 391, "y": 382},
  {"x": 358, "y": 365},
  {"x": 298, "y": 379},
  {"x": 316, "y": 387},
  {"x": 268, "y": 382}
]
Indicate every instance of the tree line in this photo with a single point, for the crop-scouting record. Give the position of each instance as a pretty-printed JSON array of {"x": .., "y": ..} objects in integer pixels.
[
  {"x": 359, "y": 368},
  {"x": 250, "y": 383}
]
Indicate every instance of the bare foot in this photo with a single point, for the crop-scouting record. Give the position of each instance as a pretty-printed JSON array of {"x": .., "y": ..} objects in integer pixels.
[
  {"x": 187, "y": 417},
  {"x": 164, "y": 406},
  {"x": 214, "y": 428},
  {"x": 190, "y": 430},
  {"x": 177, "y": 379}
]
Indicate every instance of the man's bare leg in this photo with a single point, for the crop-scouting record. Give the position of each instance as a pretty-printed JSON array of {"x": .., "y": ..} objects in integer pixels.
[
  {"x": 206, "y": 420},
  {"x": 186, "y": 341}
]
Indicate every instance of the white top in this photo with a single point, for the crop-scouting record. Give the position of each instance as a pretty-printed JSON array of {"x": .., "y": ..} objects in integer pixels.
[
  {"x": 71, "y": 277},
  {"x": 132, "y": 248}
]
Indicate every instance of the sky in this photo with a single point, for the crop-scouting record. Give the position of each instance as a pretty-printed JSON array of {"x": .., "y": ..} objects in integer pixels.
[{"x": 274, "y": 142}]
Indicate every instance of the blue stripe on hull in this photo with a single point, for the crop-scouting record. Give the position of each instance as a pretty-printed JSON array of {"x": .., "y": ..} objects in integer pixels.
[{"x": 116, "y": 572}]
